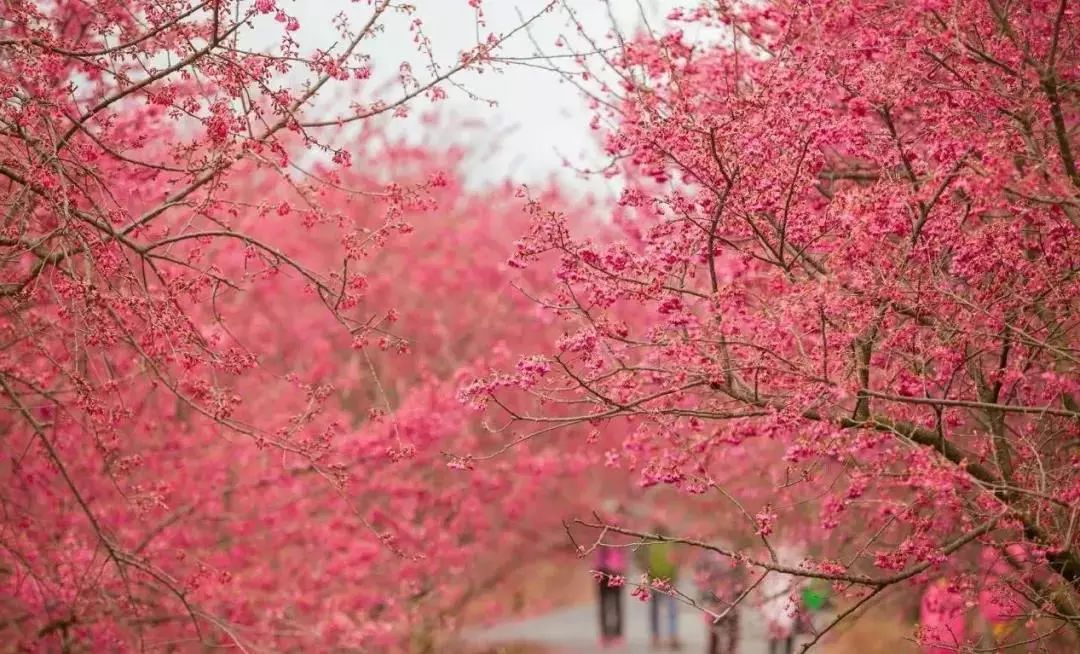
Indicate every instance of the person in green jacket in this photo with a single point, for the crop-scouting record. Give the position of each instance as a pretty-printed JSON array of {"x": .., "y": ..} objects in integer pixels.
[
  {"x": 660, "y": 563},
  {"x": 814, "y": 600}
]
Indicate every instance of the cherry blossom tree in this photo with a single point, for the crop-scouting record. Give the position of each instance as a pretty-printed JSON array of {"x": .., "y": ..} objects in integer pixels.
[
  {"x": 833, "y": 310},
  {"x": 215, "y": 436},
  {"x": 840, "y": 294}
]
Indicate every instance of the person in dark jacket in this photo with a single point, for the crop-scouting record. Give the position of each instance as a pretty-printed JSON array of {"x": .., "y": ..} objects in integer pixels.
[{"x": 610, "y": 572}]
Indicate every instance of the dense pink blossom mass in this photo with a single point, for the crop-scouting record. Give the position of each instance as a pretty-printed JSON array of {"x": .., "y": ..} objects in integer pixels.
[{"x": 276, "y": 381}]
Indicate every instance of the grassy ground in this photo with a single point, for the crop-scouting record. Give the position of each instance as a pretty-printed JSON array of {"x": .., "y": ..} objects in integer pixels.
[
  {"x": 889, "y": 628},
  {"x": 872, "y": 634},
  {"x": 511, "y": 648},
  {"x": 536, "y": 589},
  {"x": 886, "y": 627}
]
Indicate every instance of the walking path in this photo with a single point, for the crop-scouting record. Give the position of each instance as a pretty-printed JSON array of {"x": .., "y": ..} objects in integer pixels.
[{"x": 575, "y": 630}]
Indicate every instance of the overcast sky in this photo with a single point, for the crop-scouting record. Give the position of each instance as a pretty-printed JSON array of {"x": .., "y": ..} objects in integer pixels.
[{"x": 542, "y": 120}]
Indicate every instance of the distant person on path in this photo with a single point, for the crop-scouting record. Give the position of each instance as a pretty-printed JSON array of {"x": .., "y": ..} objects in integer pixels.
[
  {"x": 611, "y": 570},
  {"x": 660, "y": 565},
  {"x": 999, "y": 605},
  {"x": 941, "y": 618},
  {"x": 779, "y": 612},
  {"x": 813, "y": 600},
  {"x": 722, "y": 583}
]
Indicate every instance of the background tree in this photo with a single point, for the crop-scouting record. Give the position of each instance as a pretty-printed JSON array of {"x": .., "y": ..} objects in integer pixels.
[
  {"x": 846, "y": 263},
  {"x": 206, "y": 443}
]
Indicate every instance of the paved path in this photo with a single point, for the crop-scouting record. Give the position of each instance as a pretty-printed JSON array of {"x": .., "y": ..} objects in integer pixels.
[{"x": 574, "y": 630}]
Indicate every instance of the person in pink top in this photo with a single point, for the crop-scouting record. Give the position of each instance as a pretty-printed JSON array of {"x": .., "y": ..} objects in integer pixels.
[
  {"x": 610, "y": 573},
  {"x": 998, "y": 603},
  {"x": 942, "y": 618}
]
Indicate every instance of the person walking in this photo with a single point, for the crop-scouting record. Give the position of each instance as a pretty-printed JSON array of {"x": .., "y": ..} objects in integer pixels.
[
  {"x": 1001, "y": 609},
  {"x": 610, "y": 573},
  {"x": 814, "y": 600},
  {"x": 662, "y": 569},
  {"x": 722, "y": 583},
  {"x": 780, "y": 604},
  {"x": 942, "y": 618},
  {"x": 779, "y": 612}
]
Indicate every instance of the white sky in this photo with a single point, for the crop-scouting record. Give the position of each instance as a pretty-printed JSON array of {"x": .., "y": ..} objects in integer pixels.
[{"x": 542, "y": 119}]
